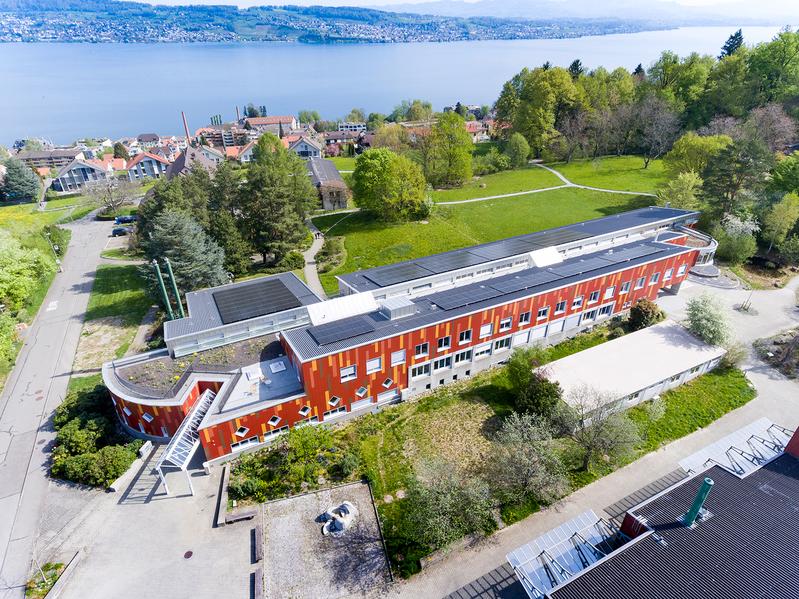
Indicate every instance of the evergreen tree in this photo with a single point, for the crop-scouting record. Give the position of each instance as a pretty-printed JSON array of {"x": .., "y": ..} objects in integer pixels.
[
  {"x": 733, "y": 43},
  {"x": 546, "y": 66},
  {"x": 639, "y": 72},
  {"x": 238, "y": 252},
  {"x": 188, "y": 194},
  {"x": 20, "y": 182},
  {"x": 741, "y": 165},
  {"x": 120, "y": 151},
  {"x": 576, "y": 69},
  {"x": 197, "y": 260}
]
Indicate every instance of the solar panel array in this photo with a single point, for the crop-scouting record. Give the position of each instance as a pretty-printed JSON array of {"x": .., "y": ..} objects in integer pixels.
[
  {"x": 569, "y": 269},
  {"x": 243, "y": 302},
  {"x": 557, "y": 556},
  {"x": 463, "y": 296},
  {"x": 397, "y": 273},
  {"x": 325, "y": 334},
  {"x": 525, "y": 281}
]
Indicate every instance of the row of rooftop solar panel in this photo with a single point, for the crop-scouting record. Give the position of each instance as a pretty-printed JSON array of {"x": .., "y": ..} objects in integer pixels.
[{"x": 269, "y": 296}]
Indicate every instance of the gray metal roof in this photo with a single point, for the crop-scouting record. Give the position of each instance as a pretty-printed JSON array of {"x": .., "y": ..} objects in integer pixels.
[
  {"x": 384, "y": 276},
  {"x": 431, "y": 309},
  {"x": 747, "y": 549},
  {"x": 203, "y": 311},
  {"x": 323, "y": 171}
]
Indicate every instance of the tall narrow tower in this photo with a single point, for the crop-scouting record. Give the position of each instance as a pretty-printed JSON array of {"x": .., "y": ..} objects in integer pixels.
[{"x": 186, "y": 128}]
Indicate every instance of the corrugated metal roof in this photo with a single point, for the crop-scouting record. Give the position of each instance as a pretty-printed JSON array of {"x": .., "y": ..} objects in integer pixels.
[
  {"x": 429, "y": 313},
  {"x": 747, "y": 549}
]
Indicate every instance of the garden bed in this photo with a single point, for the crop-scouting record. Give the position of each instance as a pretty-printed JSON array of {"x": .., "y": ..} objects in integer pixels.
[{"x": 781, "y": 352}]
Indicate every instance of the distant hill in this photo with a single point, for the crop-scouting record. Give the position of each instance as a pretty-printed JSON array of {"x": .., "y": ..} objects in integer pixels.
[{"x": 103, "y": 21}]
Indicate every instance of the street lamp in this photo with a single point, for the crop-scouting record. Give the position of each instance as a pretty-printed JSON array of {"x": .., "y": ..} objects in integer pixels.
[{"x": 55, "y": 252}]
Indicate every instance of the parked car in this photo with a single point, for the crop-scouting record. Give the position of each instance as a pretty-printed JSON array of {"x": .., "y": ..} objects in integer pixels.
[
  {"x": 121, "y": 220},
  {"x": 119, "y": 231}
]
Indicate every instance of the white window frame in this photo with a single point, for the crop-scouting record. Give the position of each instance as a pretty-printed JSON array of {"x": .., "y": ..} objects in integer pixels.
[
  {"x": 239, "y": 445},
  {"x": 304, "y": 411},
  {"x": 127, "y": 411},
  {"x": 420, "y": 370},
  {"x": 524, "y": 317},
  {"x": 387, "y": 383},
  {"x": 501, "y": 345},
  {"x": 332, "y": 413},
  {"x": 610, "y": 291},
  {"x": 593, "y": 297},
  {"x": 654, "y": 279},
  {"x": 608, "y": 310},
  {"x": 361, "y": 392},
  {"x": 681, "y": 270},
  {"x": 398, "y": 357},
  {"x": 446, "y": 361},
  {"x": 589, "y": 315},
  {"x": 447, "y": 341},
  {"x": 334, "y": 401},
  {"x": 506, "y": 324},
  {"x": 625, "y": 287},
  {"x": 463, "y": 356},
  {"x": 424, "y": 352},
  {"x": 577, "y": 302},
  {"x": 147, "y": 417},
  {"x": 465, "y": 336},
  {"x": 374, "y": 365},
  {"x": 348, "y": 373},
  {"x": 560, "y": 307},
  {"x": 668, "y": 274},
  {"x": 542, "y": 313},
  {"x": 482, "y": 351},
  {"x": 639, "y": 283},
  {"x": 241, "y": 432},
  {"x": 486, "y": 330},
  {"x": 274, "y": 420}
]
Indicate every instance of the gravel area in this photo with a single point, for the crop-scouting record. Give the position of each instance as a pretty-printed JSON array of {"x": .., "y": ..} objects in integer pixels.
[{"x": 300, "y": 562}]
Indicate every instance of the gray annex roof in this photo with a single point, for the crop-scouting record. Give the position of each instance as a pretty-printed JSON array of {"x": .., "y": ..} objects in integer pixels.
[
  {"x": 323, "y": 172},
  {"x": 466, "y": 299},
  {"x": 747, "y": 549},
  {"x": 204, "y": 311},
  {"x": 384, "y": 276}
]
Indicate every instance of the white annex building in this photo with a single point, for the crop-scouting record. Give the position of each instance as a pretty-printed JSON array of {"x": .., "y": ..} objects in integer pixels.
[{"x": 638, "y": 366}]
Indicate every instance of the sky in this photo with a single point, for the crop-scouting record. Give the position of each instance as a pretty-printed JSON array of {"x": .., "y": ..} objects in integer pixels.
[{"x": 390, "y": 2}]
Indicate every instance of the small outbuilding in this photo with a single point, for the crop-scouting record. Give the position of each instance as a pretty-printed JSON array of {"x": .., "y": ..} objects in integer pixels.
[
  {"x": 333, "y": 191},
  {"x": 638, "y": 366}
]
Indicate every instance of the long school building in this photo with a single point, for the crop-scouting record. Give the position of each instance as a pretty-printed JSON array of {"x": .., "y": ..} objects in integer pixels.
[{"x": 267, "y": 355}]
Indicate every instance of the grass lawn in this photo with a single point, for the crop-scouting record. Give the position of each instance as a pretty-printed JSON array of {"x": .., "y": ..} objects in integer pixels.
[
  {"x": 514, "y": 181},
  {"x": 344, "y": 163},
  {"x": 121, "y": 254},
  {"x": 118, "y": 291},
  {"x": 370, "y": 243},
  {"x": 625, "y": 173}
]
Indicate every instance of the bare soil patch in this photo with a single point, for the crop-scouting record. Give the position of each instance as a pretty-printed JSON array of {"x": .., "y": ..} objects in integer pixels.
[
  {"x": 781, "y": 352},
  {"x": 99, "y": 341}
]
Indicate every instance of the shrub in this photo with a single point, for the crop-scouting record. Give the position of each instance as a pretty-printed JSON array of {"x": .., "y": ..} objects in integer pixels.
[
  {"x": 735, "y": 247},
  {"x": 707, "y": 320},
  {"x": 540, "y": 396},
  {"x": 736, "y": 354},
  {"x": 99, "y": 468},
  {"x": 520, "y": 366},
  {"x": 292, "y": 261},
  {"x": 644, "y": 313},
  {"x": 616, "y": 332},
  {"x": 490, "y": 162}
]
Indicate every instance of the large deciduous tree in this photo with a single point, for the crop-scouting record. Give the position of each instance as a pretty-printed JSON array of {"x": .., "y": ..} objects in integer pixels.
[
  {"x": 389, "y": 185},
  {"x": 517, "y": 150},
  {"x": 21, "y": 271},
  {"x": 449, "y": 155},
  {"x": 658, "y": 128},
  {"x": 691, "y": 152},
  {"x": 681, "y": 192},
  {"x": 113, "y": 193},
  {"x": 779, "y": 220},
  {"x": 742, "y": 165}
]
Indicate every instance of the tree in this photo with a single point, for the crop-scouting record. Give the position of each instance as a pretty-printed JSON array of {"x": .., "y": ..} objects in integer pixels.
[
  {"x": 188, "y": 194},
  {"x": 774, "y": 69},
  {"x": 250, "y": 111},
  {"x": 288, "y": 173},
  {"x": 576, "y": 69},
  {"x": 681, "y": 192},
  {"x": 196, "y": 259},
  {"x": 523, "y": 462},
  {"x": 736, "y": 239},
  {"x": 773, "y": 125},
  {"x": 790, "y": 249},
  {"x": 517, "y": 150},
  {"x": 658, "y": 128},
  {"x": 449, "y": 156},
  {"x": 20, "y": 183},
  {"x": 731, "y": 46},
  {"x": 639, "y": 72},
  {"x": 238, "y": 252},
  {"x": 644, "y": 313},
  {"x": 8, "y": 336},
  {"x": 742, "y": 165},
  {"x": 375, "y": 120},
  {"x": 602, "y": 429},
  {"x": 392, "y": 136},
  {"x": 224, "y": 190},
  {"x": 356, "y": 115},
  {"x": 574, "y": 131},
  {"x": 691, "y": 152},
  {"x": 727, "y": 90},
  {"x": 308, "y": 117},
  {"x": 779, "y": 220},
  {"x": 706, "y": 319},
  {"x": 446, "y": 506},
  {"x": 540, "y": 396},
  {"x": 520, "y": 367},
  {"x": 785, "y": 176},
  {"x": 389, "y": 185},
  {"x": 112, "y": 193},
  {"x": 412, "y": 110},
  {"x": 120, "y": 151},
  {"x": 21, "y": 271}
]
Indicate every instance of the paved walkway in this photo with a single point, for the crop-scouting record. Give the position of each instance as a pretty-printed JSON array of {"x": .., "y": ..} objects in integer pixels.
[
  {"x": 36, "y": 386},
  {"x": 310, "y": 272},
  {"x": 778, "y": 399}
]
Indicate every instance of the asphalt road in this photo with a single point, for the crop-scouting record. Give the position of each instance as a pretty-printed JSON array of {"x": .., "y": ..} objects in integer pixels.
[{"x": 36, "y": 386}]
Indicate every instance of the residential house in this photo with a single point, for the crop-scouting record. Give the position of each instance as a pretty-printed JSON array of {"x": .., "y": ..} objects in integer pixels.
[
  {"x": 306, "y": 147},
  {"x": 77, "y": 174},
  {"x": 55, "y": 159},
  {"x": 350, "y": 126},
  {"x": 277, "y": 125},
  {"x": 147, "y": 166},
  {"x": 333, "y": 191},
  {"x": 478, "y": 130},
  {"x": 340, "y": 137},
  {"x": 203, "y": 156},
  {"x": 110, "y": 164},
  {"x": 148, "y": 140}
]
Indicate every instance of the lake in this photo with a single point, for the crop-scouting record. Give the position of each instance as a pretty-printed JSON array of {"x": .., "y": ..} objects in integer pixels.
[{"x": 67, "y": 91}]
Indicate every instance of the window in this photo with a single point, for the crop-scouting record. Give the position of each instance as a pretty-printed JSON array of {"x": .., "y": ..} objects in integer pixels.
[
  {"x": 242, "y": 431},
  {"x": 334, "y": 401},
  {"x": 305, "y": 410},
  {"x": 524, "y": 318},
  {"x": 374, "y": 365},
  {"x": 335, "y": 411},
  {"x": 421, "y": 350},
  {"x": 486, "y": 330},
  {"x": 502, "y": 344},
  {"x": 387, "y": 396},
  {"x": 147, "y": 417},
  {"x": 348, "y": 373},
  {"x": 465, "y": 336},
  {"x": 274, "y": 420},
  {"x": 443, "y": 343},
  {"x": 387, "y": 383},
  {"x": 505, "y": 324},
  {"x": 605, "y": 310},
  {"x": 625, "y": 287},
  {"x": 560, "y": 307},
  {"x": 362, "y": 391},
  {"x": 242, "y": 444},
  {"x": 481, "y": 351},
  {"x": 640, "y": 282},
  {"x": 609, "y": 292},
  {"x": 594, "y": 297},
  {"x": 443, "y": 363},
  {"x": 681, "y": 270},
  {"x": 589, "y": 316},
  {"x": 668, "y": 274},
  {"x": 127, "y": 411},
  {"x": 578, "y": 301},
  {"x": 463, "y": 356},
  {"x": 398, "y": 357},
  {"x": 654, "y": 278},
  {"x": 419, "y": 371},
  {"x": 543, "y": 312}
]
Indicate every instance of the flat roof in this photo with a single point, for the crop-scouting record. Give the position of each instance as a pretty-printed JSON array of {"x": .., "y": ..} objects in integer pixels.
[
  {"x": 627, "y": 364},
  {"x": 236, "y": 302},
  {"x": 392, "y": 274},
  {"x": 466, "y": 299},
  {"x": 747, "y": 549}
]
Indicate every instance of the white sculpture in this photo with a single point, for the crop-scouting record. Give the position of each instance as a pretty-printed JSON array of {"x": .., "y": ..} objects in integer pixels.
[{"x": 338, "y": 519}]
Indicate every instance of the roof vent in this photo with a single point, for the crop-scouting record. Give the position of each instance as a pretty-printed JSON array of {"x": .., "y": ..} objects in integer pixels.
[{"x": 397, "y": 307}]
